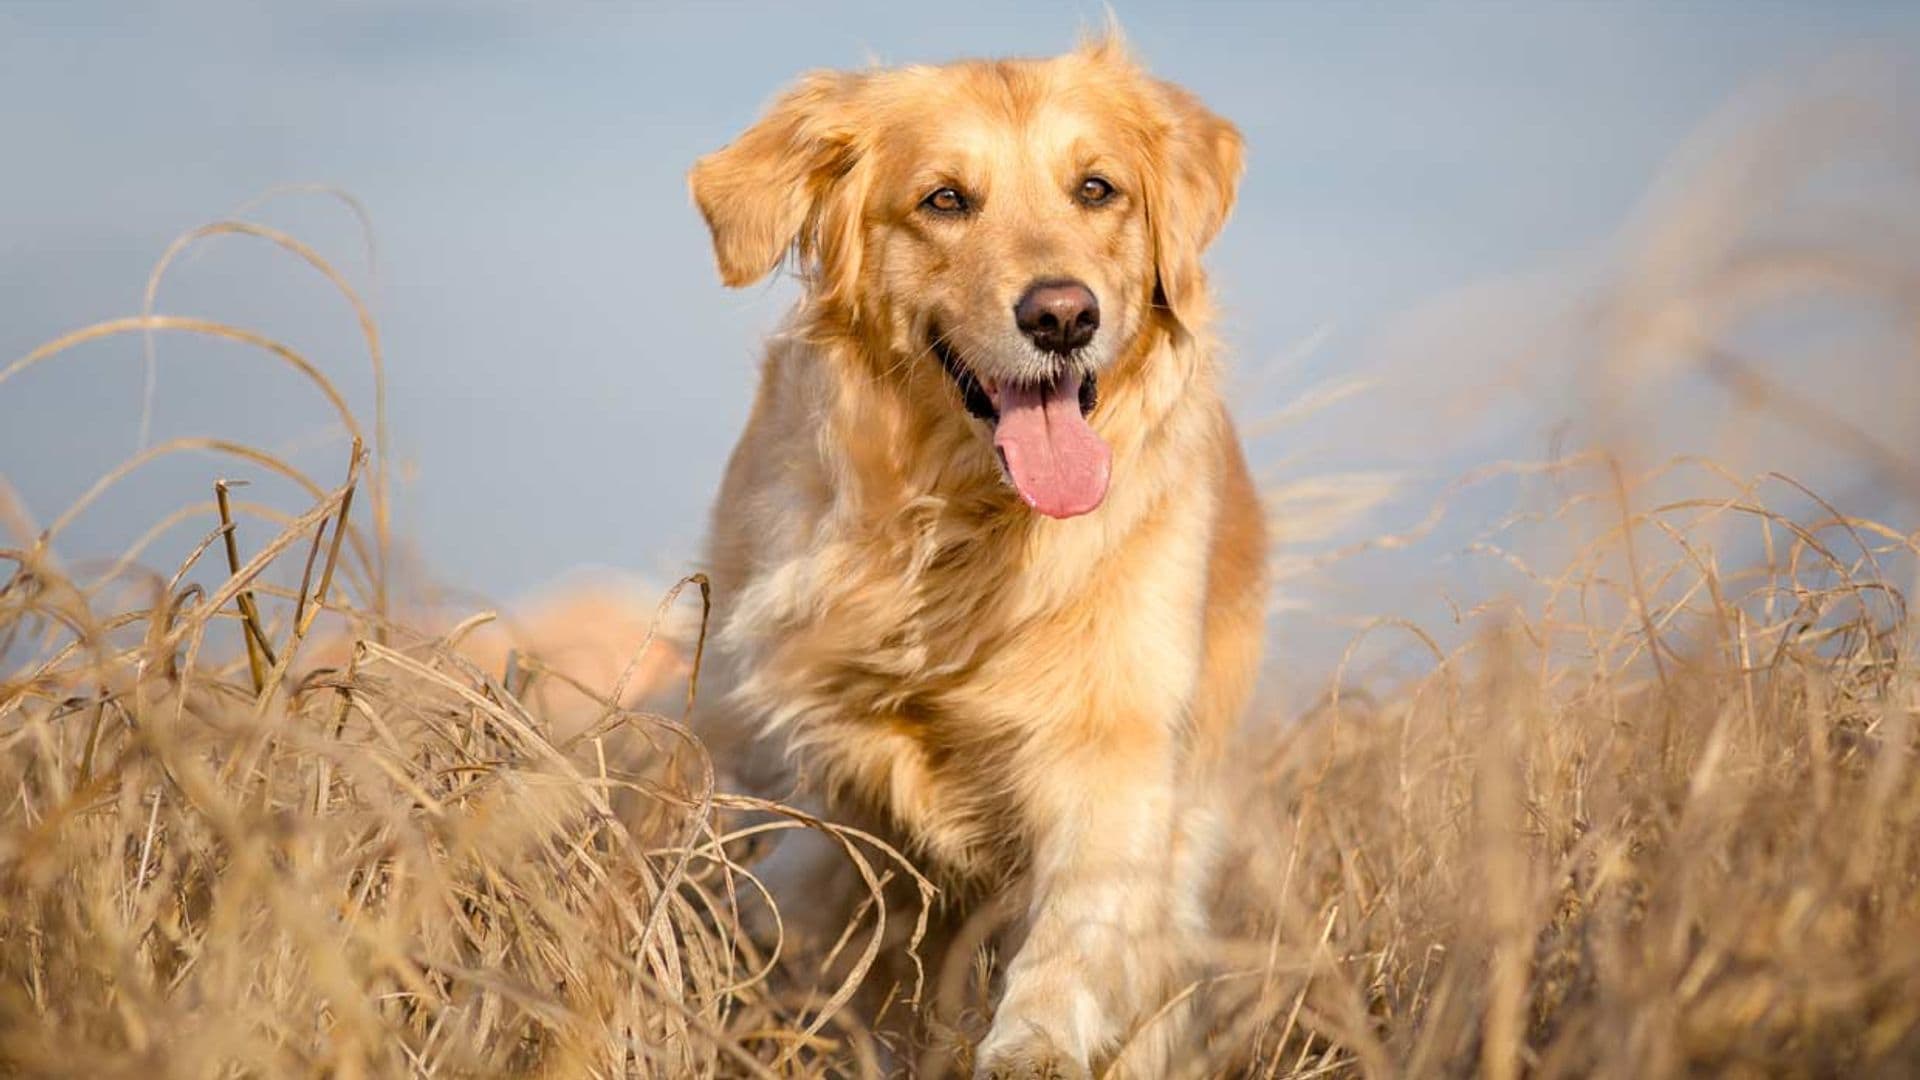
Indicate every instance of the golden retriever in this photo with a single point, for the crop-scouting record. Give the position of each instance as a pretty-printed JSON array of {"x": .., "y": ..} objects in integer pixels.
[{"x": 987, "y": 561}]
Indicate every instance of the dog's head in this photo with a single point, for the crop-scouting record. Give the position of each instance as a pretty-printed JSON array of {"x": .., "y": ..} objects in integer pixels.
[{"x": 1024, "y": 224}]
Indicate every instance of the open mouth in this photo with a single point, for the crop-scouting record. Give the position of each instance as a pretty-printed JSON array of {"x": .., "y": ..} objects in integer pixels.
[
  {"x": 1047, "y": 449},
  {"x": 980, "y": 402}
]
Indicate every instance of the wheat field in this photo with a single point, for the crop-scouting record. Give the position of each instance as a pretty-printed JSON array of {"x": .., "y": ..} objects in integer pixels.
[{"x": 1652, "y": 811}]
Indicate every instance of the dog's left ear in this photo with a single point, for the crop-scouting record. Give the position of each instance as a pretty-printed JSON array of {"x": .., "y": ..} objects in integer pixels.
[
  {"x": 761, "y": 193},
  {"x": 1189, "y": 196}
]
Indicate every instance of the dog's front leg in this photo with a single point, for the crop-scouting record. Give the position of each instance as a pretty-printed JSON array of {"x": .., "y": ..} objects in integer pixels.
[{"x": 1099, "y": 927}]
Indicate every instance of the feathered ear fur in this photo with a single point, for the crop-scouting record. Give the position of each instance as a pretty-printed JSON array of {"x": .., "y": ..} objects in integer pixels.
[
  {"x": 787, "y": 184},
  {"x": 1189, "y": 195}
]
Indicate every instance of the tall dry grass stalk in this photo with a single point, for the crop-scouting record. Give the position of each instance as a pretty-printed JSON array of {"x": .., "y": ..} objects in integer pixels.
[
  {"x": 1652, "y": 810},
  {"x": 1673, "y": 839},
  {"x": 344, "y": 847},
  {"x": 1656, "y": 816}
]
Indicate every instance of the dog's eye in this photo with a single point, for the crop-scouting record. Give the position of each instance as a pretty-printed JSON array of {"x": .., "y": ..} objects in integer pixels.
[
  {"x": 1095, "y": 190},
  {"x": 946, "y": 201}
]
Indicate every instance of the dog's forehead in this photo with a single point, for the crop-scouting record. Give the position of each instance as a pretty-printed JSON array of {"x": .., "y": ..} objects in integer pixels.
[
  {"x": 988, "y": 137},
  {"x": 1005, "y": 112}
]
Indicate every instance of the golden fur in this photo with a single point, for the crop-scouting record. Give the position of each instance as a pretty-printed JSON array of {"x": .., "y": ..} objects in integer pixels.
[{"x": 1025, "y": 703}]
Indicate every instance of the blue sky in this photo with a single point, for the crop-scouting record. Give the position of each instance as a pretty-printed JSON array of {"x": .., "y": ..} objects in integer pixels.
[{"x": 566, "y": 372}]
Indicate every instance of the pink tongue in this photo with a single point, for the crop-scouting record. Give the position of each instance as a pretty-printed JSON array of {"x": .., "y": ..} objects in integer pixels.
[{"x": 1058, "y": 464}]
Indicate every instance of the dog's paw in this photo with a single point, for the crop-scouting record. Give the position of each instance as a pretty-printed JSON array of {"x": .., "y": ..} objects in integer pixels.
[{"x": 1033, "y": 1057}]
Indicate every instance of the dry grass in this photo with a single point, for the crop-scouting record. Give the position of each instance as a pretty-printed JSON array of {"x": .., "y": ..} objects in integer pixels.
[
  {"x": 1676, "y": 839},
  {"x": 1656, "y": 816}
]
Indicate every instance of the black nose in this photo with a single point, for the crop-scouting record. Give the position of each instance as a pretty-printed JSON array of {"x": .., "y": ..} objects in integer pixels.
[{"x": 1059, "y": 316}]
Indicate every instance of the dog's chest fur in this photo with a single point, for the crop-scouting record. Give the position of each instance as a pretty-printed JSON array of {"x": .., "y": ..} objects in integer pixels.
[{"x": 921, "y": 666}]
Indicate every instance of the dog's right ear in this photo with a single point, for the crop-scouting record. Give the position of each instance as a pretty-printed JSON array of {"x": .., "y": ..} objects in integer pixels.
[{"x": 760, "y": 192}]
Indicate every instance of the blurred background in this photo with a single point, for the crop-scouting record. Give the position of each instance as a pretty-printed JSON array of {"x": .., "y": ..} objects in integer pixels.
[{"x": 1468, "y": 234}]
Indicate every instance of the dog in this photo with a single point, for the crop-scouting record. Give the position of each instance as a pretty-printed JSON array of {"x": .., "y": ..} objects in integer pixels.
[{"x": 988, "y": 565}]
